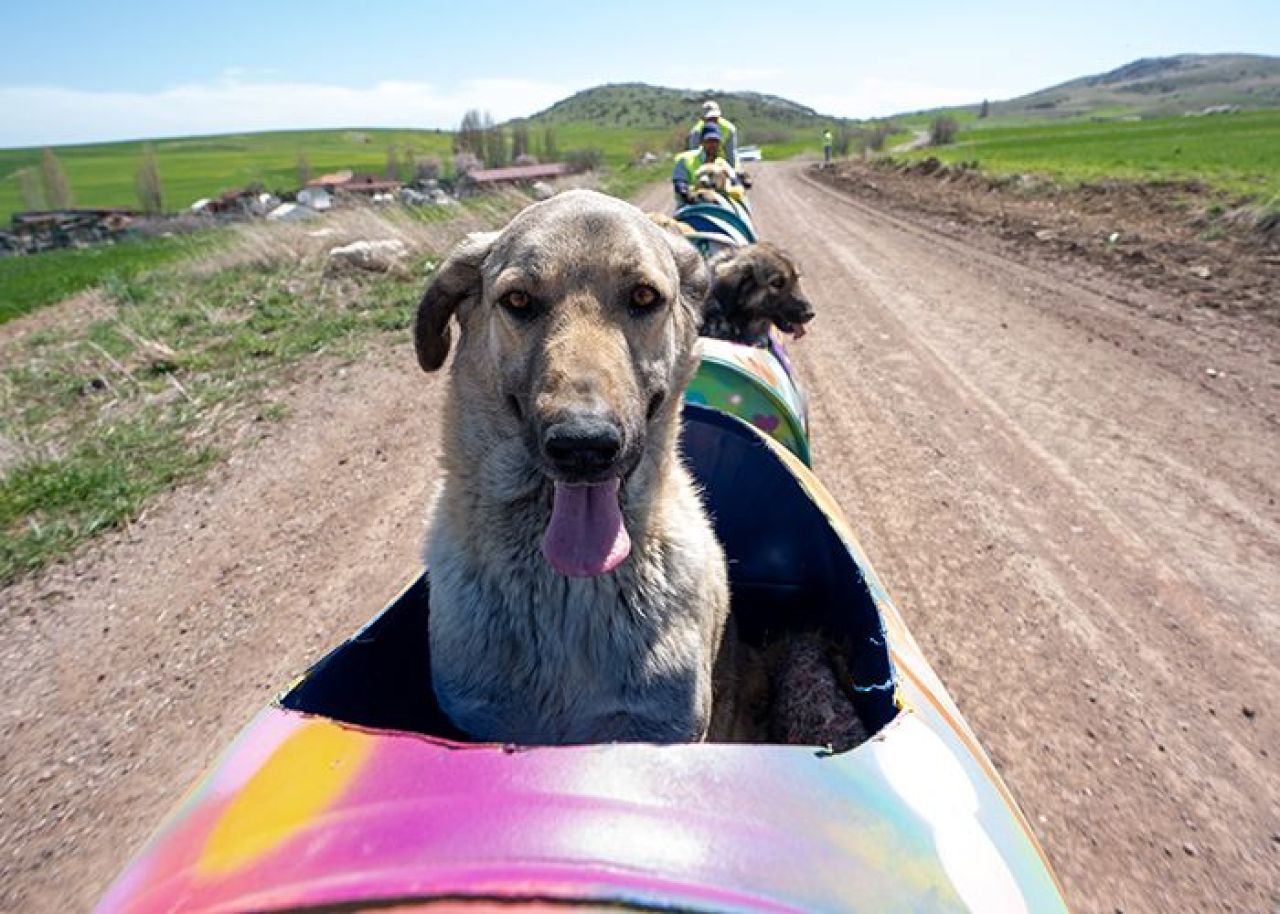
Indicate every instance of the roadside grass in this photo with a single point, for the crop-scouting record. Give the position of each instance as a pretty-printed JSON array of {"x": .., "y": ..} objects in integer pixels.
[
  {"x": 776, "y": 152},
  {"x": 618, "y": 146},
  {"x": 102, "y": 174},
  {"x": 626, "y": 182},
  {"x": 1238, "y": 153},
  {"x": 29, "y": 282},
  {"x": 185, "y": 365}
]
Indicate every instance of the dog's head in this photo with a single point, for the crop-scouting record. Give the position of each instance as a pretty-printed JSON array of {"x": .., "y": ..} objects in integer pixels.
[
  {"x": 713, "y": 175},
  {"x": 578, "y": 323},
  {"x": 759, "y": 285}
]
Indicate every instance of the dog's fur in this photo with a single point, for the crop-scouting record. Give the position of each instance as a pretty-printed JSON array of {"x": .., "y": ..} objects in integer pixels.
[
  {"x": 520, "y": 652},
  {"x": 754, "y": 287},
  {"x": 716, "y": 183}
]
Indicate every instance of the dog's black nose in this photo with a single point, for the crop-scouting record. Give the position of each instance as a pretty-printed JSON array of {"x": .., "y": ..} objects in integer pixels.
[{"x": 582, "y": 446}]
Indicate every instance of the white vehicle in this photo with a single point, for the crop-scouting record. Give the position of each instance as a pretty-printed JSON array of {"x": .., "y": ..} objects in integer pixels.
[{"x": 750, "y": 154}]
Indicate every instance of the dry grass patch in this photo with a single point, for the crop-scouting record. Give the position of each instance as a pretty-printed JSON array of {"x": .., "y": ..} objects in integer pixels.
[{"x": 168, "y": 372}]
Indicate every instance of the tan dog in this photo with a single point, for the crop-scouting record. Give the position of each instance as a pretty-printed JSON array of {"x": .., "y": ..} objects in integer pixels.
[
  {"x": 718, "y": 175},
  {"x": 578, "y": 593}
]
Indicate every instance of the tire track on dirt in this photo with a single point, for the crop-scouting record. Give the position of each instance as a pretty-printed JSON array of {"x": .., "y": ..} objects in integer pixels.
[{"x": 1019, "y": 489}]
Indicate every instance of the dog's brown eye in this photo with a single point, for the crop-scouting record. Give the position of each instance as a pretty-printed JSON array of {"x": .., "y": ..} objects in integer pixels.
[
  {"x": 777, "y": 284},
  {"x": 644, "y": 297},
  {"x": 515, "y": 301}
]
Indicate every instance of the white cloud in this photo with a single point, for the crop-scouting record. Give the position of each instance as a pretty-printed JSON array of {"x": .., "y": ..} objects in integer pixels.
[{"x": 241, "y": 101}]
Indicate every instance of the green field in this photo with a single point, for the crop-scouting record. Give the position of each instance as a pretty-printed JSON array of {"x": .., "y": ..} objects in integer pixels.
[
  {"x": 194, "y": 167},
  {"x": 1238, "y": 152},
  {"x": 28, "y": 283}
]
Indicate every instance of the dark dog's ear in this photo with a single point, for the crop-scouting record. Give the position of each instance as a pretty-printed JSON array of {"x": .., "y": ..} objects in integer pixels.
[
  {"x": 458, "y": 277},
  {"x": 734, "y": 274}
]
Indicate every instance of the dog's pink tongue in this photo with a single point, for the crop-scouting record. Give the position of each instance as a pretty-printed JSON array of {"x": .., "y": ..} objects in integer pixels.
[{"x": 586, "y": 536}]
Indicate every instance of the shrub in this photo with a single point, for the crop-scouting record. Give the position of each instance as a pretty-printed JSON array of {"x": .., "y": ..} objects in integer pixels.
[
  {"x": 57, "y": 190},
  {"x": 466, "y": 162},
  {"x": 426, "y": 168},
  {"x": 31, "y": 190},
  {"x": 874, "y": 137},
  {"x": 943, "y": 131},
  {"x": 580, "y": 160},
  {"x": 150, "y": 191}
]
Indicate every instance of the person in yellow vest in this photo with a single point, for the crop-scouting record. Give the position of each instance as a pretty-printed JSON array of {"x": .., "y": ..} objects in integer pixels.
[
  {"x": 728, "y": 132},
  {"x": 684, "y": 177},
  {"x": 826, "y": 147}
]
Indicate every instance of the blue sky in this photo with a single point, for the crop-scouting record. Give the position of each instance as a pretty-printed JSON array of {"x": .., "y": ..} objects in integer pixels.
[{"x": 87, "y": 70}]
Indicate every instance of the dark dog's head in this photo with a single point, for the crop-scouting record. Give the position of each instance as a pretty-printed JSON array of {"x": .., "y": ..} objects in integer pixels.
[
  {"x": 754, "y": 287},
  {"x": 578, "y": 327}
]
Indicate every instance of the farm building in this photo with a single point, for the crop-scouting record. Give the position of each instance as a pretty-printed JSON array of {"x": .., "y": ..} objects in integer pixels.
[
  {"x": 486, "y": 178},
  {"x": 355, "y": 184}
]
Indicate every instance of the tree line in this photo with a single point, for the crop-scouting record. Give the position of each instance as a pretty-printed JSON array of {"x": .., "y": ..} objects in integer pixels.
[
  {"x": 494, "y": 146},
  {"x": 48, "y": 187}
]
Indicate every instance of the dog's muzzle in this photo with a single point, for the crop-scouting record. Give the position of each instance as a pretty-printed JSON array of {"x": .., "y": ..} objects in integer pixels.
[{"x": 582, "y": 448}]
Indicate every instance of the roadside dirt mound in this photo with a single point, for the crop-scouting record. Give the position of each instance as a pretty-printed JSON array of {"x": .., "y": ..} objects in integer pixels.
[{"x": 1180, "y": 238}]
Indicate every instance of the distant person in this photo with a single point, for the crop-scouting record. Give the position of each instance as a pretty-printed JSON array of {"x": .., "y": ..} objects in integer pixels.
[
  {"x": 684, "y": 177},
  {"x": 711, "y": 115},
  {"x": 826, "y": 147}
]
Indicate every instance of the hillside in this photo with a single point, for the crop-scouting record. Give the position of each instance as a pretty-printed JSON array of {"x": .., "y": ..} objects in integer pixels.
[
  {"x": 1154, "y": 87},
  {"x": 645, "y": 107}
]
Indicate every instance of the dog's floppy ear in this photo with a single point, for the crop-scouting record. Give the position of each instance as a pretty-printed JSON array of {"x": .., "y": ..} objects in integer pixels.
[
  {"x": 458, "y": 277},
  {"x": 734, "y": 273}
]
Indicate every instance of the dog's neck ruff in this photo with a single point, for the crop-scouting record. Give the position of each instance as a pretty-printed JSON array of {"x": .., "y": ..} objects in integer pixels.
[{"x": 586, "y": 536}]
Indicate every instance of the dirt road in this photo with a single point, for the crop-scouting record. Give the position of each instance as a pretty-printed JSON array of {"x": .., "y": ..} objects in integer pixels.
[{"x": 1078, "y": 522}]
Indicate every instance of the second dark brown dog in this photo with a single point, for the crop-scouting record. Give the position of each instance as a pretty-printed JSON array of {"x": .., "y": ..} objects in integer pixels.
[{"x": 754, "y": 287}]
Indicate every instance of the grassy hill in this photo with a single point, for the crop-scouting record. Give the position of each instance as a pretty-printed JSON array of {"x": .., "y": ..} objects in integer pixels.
[
  {"x": 102, "y": 174},
  {"x": 648, "y": 107},
  {"x": 625, "y": 118},
  {"x": 1131, "y": 123},
  {"x": 1156, "y": 87},
  {"x": 1147, "y": 88}
]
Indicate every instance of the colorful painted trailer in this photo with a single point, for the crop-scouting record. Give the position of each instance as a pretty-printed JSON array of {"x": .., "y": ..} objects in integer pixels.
[
  {"x": 352, "y": 791},
  {"x": 756, "y": 385},
  {"x": 711, "y": 228}
]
